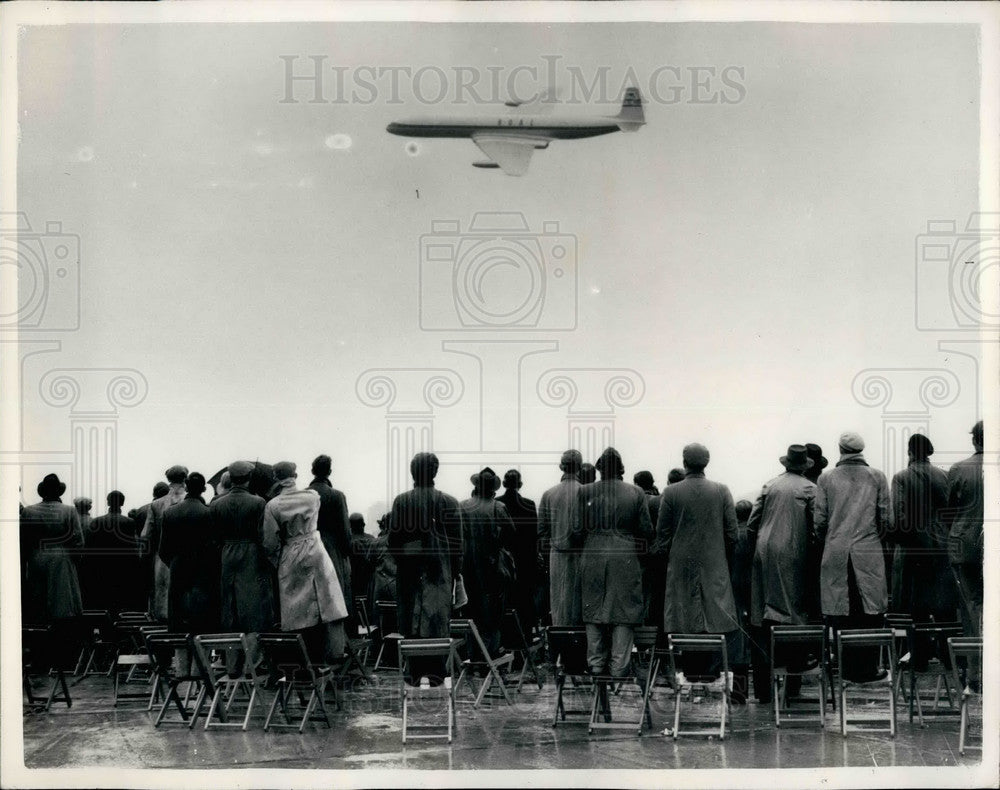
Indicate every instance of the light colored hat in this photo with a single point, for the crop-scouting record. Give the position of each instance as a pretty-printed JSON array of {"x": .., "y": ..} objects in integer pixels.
[
  {"x": 851, "y": 442},
  {"x": 176, "y": 473},
  {"x": 284, "y": 470}
]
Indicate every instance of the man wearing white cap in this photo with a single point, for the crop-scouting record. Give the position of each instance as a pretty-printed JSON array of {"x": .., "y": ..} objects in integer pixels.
[{"x": 853, "y": 512}]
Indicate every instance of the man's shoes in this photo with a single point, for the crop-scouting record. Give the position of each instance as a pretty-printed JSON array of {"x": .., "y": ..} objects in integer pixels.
[{"x": 867, "y": 677}]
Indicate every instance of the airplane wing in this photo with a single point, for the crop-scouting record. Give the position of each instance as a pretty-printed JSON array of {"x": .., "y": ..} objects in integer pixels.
[{"x": 512, "y": 154}]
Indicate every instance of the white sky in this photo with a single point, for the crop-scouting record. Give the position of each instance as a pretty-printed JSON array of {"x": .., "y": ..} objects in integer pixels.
[{"x": 746, "y": 259}]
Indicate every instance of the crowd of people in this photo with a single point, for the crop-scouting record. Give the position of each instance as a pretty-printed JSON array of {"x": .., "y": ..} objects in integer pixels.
[{"x": 818, "y": 544}]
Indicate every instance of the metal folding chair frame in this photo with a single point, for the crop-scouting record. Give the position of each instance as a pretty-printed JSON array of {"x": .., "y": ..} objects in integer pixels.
[
  {"x": 465, "y": 630},
  {"x": 644, "y": 641},
  {"x": 164, "y": 648},
  {"x": 884, "y": 639},
  {"x": 286, "y": 652},
  {"x": 386, "y": 610},
  {"x": 677, "y": 644},
  {"x": 936, "y": 669},
  {"x": 444, "y": 647},
  {"x": 971, "y": 649},
  {"x": 568, "y": 650},
  {"x": 801, "y": 636},
  {"x": 514, "y": 639},
  {"x": 226, "y": 686},
  {"x": 36, "y": 652}
]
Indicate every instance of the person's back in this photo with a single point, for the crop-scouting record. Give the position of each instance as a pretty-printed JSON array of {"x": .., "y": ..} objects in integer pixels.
[
  {"x": 558, "y": 517},
  {"x": 109, "y": 571}
]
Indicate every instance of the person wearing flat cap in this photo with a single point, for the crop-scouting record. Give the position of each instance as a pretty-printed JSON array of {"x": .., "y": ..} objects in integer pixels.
[
  {"x": 557, "y": 519},
  {"x": 615, "y": 531},
  {"x": 425, "y": 537},
  {"x": 486, "y": 529},
  {"x": 49, "y": 531},
  {"x": 922, "y": 583},
  {"x": 779, "y": 527},
  {"x": 853, "y": 512},
  {"x": 150, "y": 543},
  {"x": 696, "y": 530},
  {"x": 83, "y": 505},
  {"x": 964, "y": 519},
  {"x": 310, "y": 595},
  {"x": 188, "y": 546},
  {"x": 247, "y": 591}
]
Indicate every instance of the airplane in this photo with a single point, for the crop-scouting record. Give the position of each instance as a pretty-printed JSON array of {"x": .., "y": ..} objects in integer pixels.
[{"x": 510, "y": 141}]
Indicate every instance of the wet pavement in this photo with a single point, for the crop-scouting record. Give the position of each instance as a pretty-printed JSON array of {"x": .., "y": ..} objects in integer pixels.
[{"x": 366, "y": 733}]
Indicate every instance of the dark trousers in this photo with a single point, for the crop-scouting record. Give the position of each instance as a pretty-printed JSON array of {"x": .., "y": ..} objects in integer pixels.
[
  {"x": 859, "y": 663},
  {"x": 763, "y": 661}
]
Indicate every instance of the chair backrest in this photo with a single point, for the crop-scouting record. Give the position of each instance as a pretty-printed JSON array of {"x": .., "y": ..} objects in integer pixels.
[
  {"x": 286, "y": 653},
  {"x": 645, "y": 637},
  {"x": 930, "y": 640},
  {"x": 898, "y": 621},
  {"x": 512, "y": 634},
  {"x": 967, "y": 650},
  {"x": 172, "y": 656},
  {"x": 386, "y": 611},
  {"x": 361, "y": 607},
  {"x": 866, "y": 637},
  {"x": 474, "y": 648},
  {"x": 438, "y": 647},
  {"x": 568, "y": 648},
  {"x": 232, "y": 646},
  {"x": 36, "y": 648},
  {"x": 799, "y": 636},
  {"x": 97, "y": 621}
]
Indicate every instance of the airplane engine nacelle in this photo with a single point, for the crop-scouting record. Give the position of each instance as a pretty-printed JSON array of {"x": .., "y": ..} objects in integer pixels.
[
  {"x": 487, "y": 165},
  {"x": 543, "y": 145}
]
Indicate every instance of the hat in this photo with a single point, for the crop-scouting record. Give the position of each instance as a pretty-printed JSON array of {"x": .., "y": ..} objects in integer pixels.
[
  {"x": 240, "y": 469},
  {"x": 486, "y": 481},
  {"x": 696, "y": 456},
  {"x": 850, "y": 442},
  {"x": 176, "y": 474},
  {"x": 920, "y": 446},
  {"x": 797, "y": 460},
  {"x": 195, "y": 483},
  {"x": 815, "y": 453},
  {"x": 284, "y": 469},
  {"x": 160, "y": 489},
  {"x": 51, "y": 486},
  {"x": 977, "y": 432},
  {"x": 356, "y": 517},
  {"x": 610, "y": 463},
  {"x": 571, "y": 461}
]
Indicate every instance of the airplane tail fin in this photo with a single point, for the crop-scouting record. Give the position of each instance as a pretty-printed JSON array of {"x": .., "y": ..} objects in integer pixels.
[{"x": 631, "y": 116}]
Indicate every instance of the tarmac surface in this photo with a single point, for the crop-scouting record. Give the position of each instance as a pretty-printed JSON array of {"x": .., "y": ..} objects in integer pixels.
[{"x": 366, "y": 733}]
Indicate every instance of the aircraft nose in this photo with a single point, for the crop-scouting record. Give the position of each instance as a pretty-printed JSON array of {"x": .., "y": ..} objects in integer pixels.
[{"x": 392, "y": 128}]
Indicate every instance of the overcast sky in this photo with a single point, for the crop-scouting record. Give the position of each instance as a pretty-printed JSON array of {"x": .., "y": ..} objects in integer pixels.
[{"x": 253, "y": 257}]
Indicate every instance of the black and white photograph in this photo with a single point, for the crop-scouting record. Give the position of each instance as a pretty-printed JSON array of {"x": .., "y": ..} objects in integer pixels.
[{"x": 499, "y": 394}]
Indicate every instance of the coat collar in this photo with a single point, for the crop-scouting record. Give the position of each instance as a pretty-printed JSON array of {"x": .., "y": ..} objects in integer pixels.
[
  {"x": 569, "y": 476},
  {"x": 691, "y": 475},
  {"x": 852, "y": 459}
]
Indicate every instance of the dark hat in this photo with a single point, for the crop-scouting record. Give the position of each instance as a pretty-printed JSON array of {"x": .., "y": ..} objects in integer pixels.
[
  {"x": 815, "y": 453},
  {"x": 51, "y": 485},
  {"x": 643, "y": 479},
  {"x": 512, "y": 479},
  {"x": 696, "y": 456},
  {"x": 920, "y": 446},
  {"x": 240, "y": 469},
  {"x": 610, "y": 463},
  {"x": 797, "y": 460},
  {"x": 285, "y": 469},
  {"x": 977, "y": 432},
  {"x": 176, "y": 473},
  {"x": 486, "y": 481},
  {"x": 161, "y": 489},
  {"x": 356, "y": 517},
  {"x": 571, "y": 461}
]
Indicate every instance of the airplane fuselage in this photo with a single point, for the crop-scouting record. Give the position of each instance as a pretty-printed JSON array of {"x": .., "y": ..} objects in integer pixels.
[{"x": 545, "y": 127}]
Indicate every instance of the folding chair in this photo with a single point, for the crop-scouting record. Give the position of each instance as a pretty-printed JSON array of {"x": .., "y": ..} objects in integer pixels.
[
  {"x": 230, "y": 675},
  {"x": 443, "y": 648},
  {"x": 965, "y": 651},
  {"x": 805, "y": 640},
  {"x": 928, "y": 658},
  {"x": 680, "y": 648},
  {"x": 388, "y": 630},
  {"x": 478, "y": 658},
  {"x": 899, "y": 622},
  {"x": 285, "y": 654},
  {"x": 568, "y": 651},
  {"x": 133, "y": 657},
  {"x": 173, "y": 657},
  {"x": 860, "y": 639},
  {"x": 512, "y": 637},
  {"x": 644, "y": 641},
  {"x": 98, "y": 636},
  {"x": 365, "y": 639},
  {"x": 37, "y": 658}
]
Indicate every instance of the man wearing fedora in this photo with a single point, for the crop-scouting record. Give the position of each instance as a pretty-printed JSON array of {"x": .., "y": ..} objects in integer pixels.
[
  {"x": 150, "y": 543},
  {"x": 853, "y": 512},
  {"x": 557, "y": 522},
  {"x": 49, "y": 532},
  {"x": 616, "y": 530},
  {"x": 486, "y": 529},
  {"x": 779, "y": 526}
]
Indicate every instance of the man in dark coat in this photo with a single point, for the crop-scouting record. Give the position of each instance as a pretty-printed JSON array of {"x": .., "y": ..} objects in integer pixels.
[
  {"x": 740, "y": 576},
  {"x": 486, "y": 529},
  {"x": 150, "y": 542},
  {"x": 189, "y": 549},
  {"x": 362, "y": 558},
  {"x": 49, "y": 532},
  {"x": 814, "y": 555},
  {"x": 109, "y": 568},
  {"x": 964, "y": 518},
  {"x": 145, "y": 572},
  {"x": 335, "y": 529},
  {"x": 654, "y": 573},
  {"x": 558, "y": 517},
  {"x": 384, "y": 580},
  {"x": 614, "y": 525},
  {"x": 246, "y": 591},
  {"x": 525, "y": 548},
  {"x": 425, "y": 536},
  {"x": 853, "y": 511},
  {"x": 697, "y": 532},
  {"x": 779, "y": 529},
  {"x": 922, "y": 577}
]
